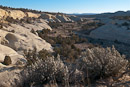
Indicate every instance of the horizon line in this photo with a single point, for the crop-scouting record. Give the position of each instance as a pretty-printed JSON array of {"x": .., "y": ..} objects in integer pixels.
[{"x": 65, "y": 12}]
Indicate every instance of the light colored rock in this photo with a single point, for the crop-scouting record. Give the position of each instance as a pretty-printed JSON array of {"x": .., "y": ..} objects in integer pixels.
[
  {"x": 16, "y": 14},
  {"x": 3, "y": 13},
  {"x": 37, "y": 25},
  {"x": 112, "y": 32},
  {"x": 10, "y": 77},
  {"x": 50, "y": 17},
  {"x": 75, "y": 18},
  {"x": 4, "y": 50},
  {"x": 30, "y": 14},
  {"x": 63, "y": 18},
  {"x": 60, "y": 17},
  {"x": 26, "y": 42},
  {"x": 23, "y": 39}
]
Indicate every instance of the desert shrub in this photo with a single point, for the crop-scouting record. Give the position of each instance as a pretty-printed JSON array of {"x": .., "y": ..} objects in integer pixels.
[
  {"x": 28, "y": 20},
  {"x": 32, "y": 55},
  {"x": 59, "y": 39},
  {"x": 13, "y": 31},
  {"x": 1, "y": 25},
  {"x": 45, "y": 71},
  {"x": 12, "y": 20},
  {"x": 44, "y": 54},
  {"x": 125, "y": 24},
  {"x": 33, "y": 31},
  {"x": 128, "y": 28},
  {"x": 64, "y": 46},
  {"x": 101, "y": 62},
  {"x": 7, "y": 60},
  {"x": 54, "y": 25},
  {"x": 116, "y": 41},
  {"x": 73, "y": 39},
  {"x": 92, "y": 25},
  {"x": 22, "y": 9},
  {"x": 70, "y": 52},
  {"x": 44, "y": 31},
  {"x": 121, "y": 17}
]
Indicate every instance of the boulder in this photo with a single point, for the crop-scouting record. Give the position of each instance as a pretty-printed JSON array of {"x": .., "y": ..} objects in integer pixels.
[
  {"x": 63, "y": 18},
  {"x": 50, "y": 17}
]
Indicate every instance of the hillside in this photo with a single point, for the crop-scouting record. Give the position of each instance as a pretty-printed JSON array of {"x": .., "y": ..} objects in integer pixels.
[
  {"x": 106, "y": 15},
  {"x": 19, "y": 35},
  {"x": 45, "y": 49},
  {"x": 116, "y": 26}
]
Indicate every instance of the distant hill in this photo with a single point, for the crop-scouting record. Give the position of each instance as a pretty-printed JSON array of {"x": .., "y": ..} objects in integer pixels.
[
  {"x": 118, "y": 13},
  {"x": 77, "y": 14}
]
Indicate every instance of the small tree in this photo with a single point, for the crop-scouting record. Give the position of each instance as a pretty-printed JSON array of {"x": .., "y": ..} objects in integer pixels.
[{"x": 7, "y": 60}]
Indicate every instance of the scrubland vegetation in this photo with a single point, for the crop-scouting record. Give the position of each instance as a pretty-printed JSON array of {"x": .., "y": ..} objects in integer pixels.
[
  {"x": 70, "y": 66},
  {"x": 64, "y": 46},
  {"x": 92, "y": 25},
  {"x": 122, "y": 17},
  {"x": 92, "y": 65}
]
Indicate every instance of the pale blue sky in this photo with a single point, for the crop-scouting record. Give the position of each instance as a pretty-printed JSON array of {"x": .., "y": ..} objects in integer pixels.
[{"x": 71, "y": 6}]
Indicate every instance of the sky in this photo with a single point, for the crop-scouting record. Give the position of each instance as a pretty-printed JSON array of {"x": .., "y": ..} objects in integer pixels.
[{"x": 70, "y": 6}]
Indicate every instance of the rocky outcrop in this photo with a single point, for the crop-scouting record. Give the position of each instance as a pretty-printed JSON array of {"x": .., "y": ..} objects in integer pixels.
[
  {"x": 10, "y": 77},
  {"x": 112, "y": 32},
  {"x": 60, "y": 17},
  {"x": 75, "y": 18},
  {"x": 50, "y": 17},
  {"x": 26, "y": 42},
  {"x": 14, "y": 44},
  {"x": 32, "y": 15},
  {"x": 23, "y": 39},
  {"x": 3, "y": 13},
  {"x": 16, "y": 14},
  {"x": 63, "y": 18},
  {"x": 38, "y": 25},
  {"x": 6, "y": 51}
]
